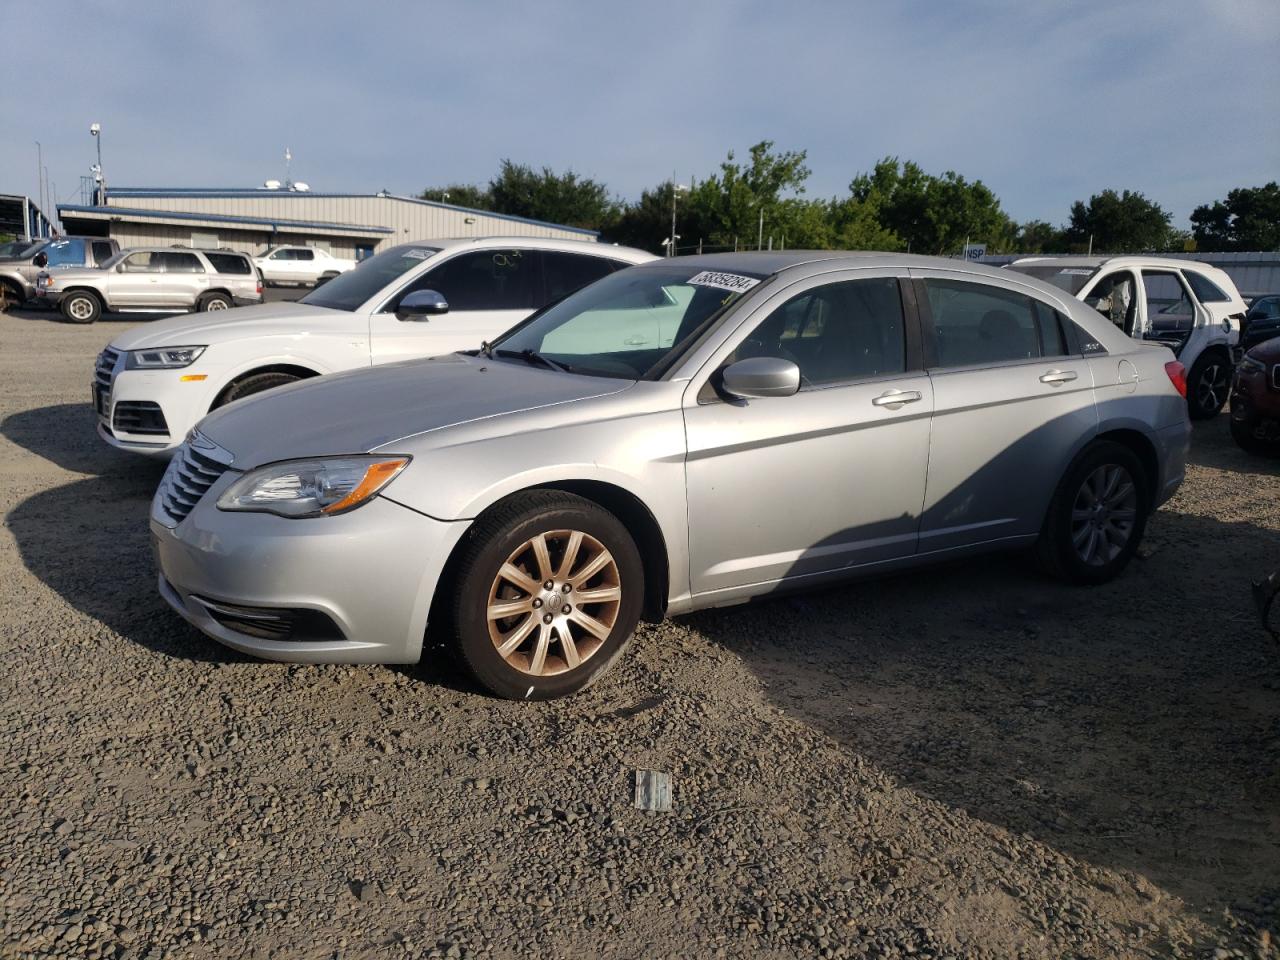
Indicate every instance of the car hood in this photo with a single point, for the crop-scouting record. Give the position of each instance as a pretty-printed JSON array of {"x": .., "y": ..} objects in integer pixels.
[
  {"x": 206, "y": 329},
  {"x": 362, "y": 410},
  {"x": 63, "y": 274},
  {"x": 1267, "y": 352}
]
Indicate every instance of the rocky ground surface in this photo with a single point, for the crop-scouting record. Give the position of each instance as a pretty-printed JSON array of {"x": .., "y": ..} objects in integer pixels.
[{"x": 967, "y": 762}]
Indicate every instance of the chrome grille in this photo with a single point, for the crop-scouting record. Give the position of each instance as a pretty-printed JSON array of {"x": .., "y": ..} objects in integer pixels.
[
  {"x": 104, "y": 370},
  {"x": 195, "y": 466}
]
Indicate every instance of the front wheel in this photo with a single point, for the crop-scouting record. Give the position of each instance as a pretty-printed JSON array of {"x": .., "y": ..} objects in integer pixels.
[
  {"x": 547, "y": 592},
  {"x": 1208, "y": 385},
  {"x": 1097, "y": 516},
  {"x": 255, "y": 383},
  {"x": 81, "y": 307}
]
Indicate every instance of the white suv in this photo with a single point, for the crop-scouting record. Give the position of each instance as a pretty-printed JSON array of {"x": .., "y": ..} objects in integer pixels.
[
  {"x": 153, "y": 383},
  {"x": 1191, "y": 307},
  {"x": 304, "y": 266}
]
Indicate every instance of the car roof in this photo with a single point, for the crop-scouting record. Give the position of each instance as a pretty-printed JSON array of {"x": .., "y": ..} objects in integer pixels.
[
  {"x": 1117, "y": 260},
  {"x": 541, "y": 243},
  {"x": 767, "y": 263}
]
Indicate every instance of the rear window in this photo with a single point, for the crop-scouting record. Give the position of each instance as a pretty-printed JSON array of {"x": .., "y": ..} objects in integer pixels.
[
  {"x": 1205, "y": 289},
  {"x": 229, "y": 263},
  {"x": 1070, "y": 279}
]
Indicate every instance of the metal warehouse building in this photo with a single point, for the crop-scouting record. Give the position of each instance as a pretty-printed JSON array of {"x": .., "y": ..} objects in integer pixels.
[{"x": 346, "y": 224}]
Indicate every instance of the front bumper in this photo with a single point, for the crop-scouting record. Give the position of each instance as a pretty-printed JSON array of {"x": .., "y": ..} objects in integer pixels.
[
  {"x": 371, "y": 572},
  {"x": 181, "y": 404}
]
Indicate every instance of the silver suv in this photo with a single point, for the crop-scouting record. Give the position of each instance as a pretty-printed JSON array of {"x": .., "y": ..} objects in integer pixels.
[{"x": 154, "y": 280}]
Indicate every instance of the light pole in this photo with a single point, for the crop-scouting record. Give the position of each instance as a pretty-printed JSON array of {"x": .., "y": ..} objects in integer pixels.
[
  {"x": 676, "y": 190},
  {"x": 95, "y": 130}
]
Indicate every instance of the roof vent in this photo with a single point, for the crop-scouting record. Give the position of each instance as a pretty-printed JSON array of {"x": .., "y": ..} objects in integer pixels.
[
  {"x": 272, "y": 184},
  {"x": 302, "y": 187}
]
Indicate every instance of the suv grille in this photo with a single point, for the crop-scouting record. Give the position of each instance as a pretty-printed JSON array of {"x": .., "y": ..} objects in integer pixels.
[
  {"x": 139, "y": 416},
  {"x": 104, "y": 370},
  {"x": 196, "y": 465}
]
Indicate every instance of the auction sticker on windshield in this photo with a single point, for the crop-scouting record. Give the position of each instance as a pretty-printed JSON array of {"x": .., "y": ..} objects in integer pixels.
[{"x": 723, "y": 281}]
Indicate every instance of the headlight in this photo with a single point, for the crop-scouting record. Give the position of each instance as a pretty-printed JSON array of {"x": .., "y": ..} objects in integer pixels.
[
  {"x": 312, "y": 488},
  {"x": 1251, "y": 365},
  {"x": 162, "y": 358}
]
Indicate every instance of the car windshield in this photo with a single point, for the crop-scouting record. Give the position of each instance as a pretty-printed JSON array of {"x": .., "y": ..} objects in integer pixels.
[
  {"x": 347, "y": 291},
  {"x": 629, "y": 324},
  {"x": 1068, "y": 278},
  {"x": 20, "y": 249}
]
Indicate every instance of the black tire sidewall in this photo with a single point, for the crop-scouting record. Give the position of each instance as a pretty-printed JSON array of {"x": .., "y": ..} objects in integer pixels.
[
  {"x": 1063, "y": 559},
  {"x": 1193, "y": 385},
  {"x": 72, "y": 297},
  {"x": 493, "y": 544},
  {"x": 258, "y": 383}
]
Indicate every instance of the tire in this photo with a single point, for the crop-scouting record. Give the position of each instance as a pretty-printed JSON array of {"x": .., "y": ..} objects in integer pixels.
[
  {"x": 1208, "y": 385},
  {"x": 1242, "y": 433},
  {"x": 214, "y": 302},
  {"x": 256, "y": 383},
  {"x": 1079, "y": 545},
  {"x": 80, "y": 306},
  {"x": 10, "y": 297},
  {"x": 540, "y": 663}
]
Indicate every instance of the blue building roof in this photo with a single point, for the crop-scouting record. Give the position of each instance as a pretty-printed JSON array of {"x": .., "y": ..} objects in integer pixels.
[{"x": 274, "y": 223}]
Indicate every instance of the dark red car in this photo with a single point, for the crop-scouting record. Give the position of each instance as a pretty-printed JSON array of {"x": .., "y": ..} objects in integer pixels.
[{"x": 1255, "y": 399}]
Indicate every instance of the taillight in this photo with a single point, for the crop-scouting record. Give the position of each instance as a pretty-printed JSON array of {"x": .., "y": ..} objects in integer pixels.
[{"x": 1177, "y": 376}]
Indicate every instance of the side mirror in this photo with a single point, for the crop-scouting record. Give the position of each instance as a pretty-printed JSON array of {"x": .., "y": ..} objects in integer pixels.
[
  {"x": 41, "y": 259},
  {"x": 120, "y": 267},
  {"x": 758, "y": 377},
  {"x": 422, "y": 305}
]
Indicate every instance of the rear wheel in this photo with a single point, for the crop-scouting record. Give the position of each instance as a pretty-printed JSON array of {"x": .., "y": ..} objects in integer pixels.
[
  {"x": 79, "y": 306},
  {"x": 1208, "y": 385},
  {"x": 1097, "y": 516},
  {"x": 214, "y": 301},
  {"x": 254, "y": 384},
  {"x": 1245, "y": 434},
  {"x": 546, "y": 594}
]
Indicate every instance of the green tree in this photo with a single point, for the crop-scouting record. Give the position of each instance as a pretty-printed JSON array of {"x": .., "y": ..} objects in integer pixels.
[
  {"x": 647, "y": 222},
  {"x": 727, "y": 206},
  {"x": 566, "y": 198},
  {"x": 460, "y": 195},
  {"x": 933, "y": 214},
  {"x": 1038, "y": 236},
  {"x": 1249, "y": 219},
  {"x": 1118, "y": 223}
]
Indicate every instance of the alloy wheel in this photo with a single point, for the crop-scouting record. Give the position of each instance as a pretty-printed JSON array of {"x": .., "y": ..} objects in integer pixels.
[
  {"x": 1211, "y": 388},
  {"x": 215, "y": 304},
  {"x": 554, "y": 602},
  {"x": 1104, "y": 514}
]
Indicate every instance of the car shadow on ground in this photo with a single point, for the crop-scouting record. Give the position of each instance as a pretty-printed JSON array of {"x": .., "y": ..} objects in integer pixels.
[{"x": 66, "y": 434}]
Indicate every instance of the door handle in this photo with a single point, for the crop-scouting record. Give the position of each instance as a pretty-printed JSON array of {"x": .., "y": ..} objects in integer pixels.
[
  {"x": 894, "y": 399},
  {"x": 1056, "y": 378}
]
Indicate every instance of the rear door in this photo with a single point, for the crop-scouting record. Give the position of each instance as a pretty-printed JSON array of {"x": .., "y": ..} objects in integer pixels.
[
  {"x": 1013, "y": 401},
  {"x": 1171, "y": 314},
  {"x": 184, "y": 279},
  {"x": 488, "y": 291}
]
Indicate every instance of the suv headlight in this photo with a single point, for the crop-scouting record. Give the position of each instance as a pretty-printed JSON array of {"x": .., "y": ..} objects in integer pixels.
[
  {"x": 312, "y": 488},
  {"x": 162, "y": 358}
]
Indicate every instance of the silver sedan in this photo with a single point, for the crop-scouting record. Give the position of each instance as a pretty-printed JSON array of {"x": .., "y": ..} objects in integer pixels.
[{"x": 688, "y": 433}]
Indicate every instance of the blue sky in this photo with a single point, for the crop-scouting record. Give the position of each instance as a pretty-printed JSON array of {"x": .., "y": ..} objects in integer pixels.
[{"x": 1046, "y": 102}]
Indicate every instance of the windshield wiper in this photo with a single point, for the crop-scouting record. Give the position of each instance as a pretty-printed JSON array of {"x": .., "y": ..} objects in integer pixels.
[{"x": 533, "y": 358}]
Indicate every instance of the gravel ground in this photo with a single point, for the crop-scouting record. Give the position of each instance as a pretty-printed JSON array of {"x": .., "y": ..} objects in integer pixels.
[{"x": 968, "y": 762}]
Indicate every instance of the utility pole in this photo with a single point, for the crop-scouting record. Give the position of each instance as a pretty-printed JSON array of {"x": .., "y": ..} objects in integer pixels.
[
  {"x": 760, "y": 235},
  {"x": 676, "y": 190},
  {"x": 40, "y": 177},
  {"x": 95, "y": 130}
]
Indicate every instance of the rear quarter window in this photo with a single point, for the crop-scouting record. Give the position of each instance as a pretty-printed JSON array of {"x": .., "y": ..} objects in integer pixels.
[
  {"x": 1205, "y": 289},
  {"x": 229, "y": 263}
]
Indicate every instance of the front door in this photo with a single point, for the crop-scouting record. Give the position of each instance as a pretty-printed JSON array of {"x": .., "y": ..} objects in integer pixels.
[
  {"x": 135, "y": 282},
  {"x": 829, "y": 478},
  {"x": 1012, "y": 400},
  {"x": 488, "y": 292}
]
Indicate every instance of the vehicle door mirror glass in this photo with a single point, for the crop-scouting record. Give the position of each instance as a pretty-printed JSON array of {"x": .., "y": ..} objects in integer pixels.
[
  {"x": 41, "y": 259},
  {"x": 119, "y": 268},
  {"x": 422, "y": 305},
  {"x": 759, "y": 377}
]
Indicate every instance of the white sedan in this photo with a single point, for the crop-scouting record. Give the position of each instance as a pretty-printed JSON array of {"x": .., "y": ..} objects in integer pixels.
[
  {"x": 300, "y": 265},
  {"x": 153, "y": 383}
]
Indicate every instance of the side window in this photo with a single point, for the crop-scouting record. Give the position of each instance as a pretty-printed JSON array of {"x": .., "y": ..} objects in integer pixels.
[
  {"x": 1169, "y": 306},
  {"x": 975, "y": 323},
  {"x": 180, "y": 262},
  {"x": 301, "y": 254},
  {"x": 1204, "y": 288},
  {"x": 145, "y": 261},
  {"x": 484, "y": 280},
  {"x": 101, "y": 251},
  {"x": 567, "y": 272},
  {"x": 281, "y": 255},
  {"x": 841, "y": 331},
  {"x": 65, "y": 253},
  {"x": 228, "y": 263},
  {"x": 1115, "y": 297}
]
